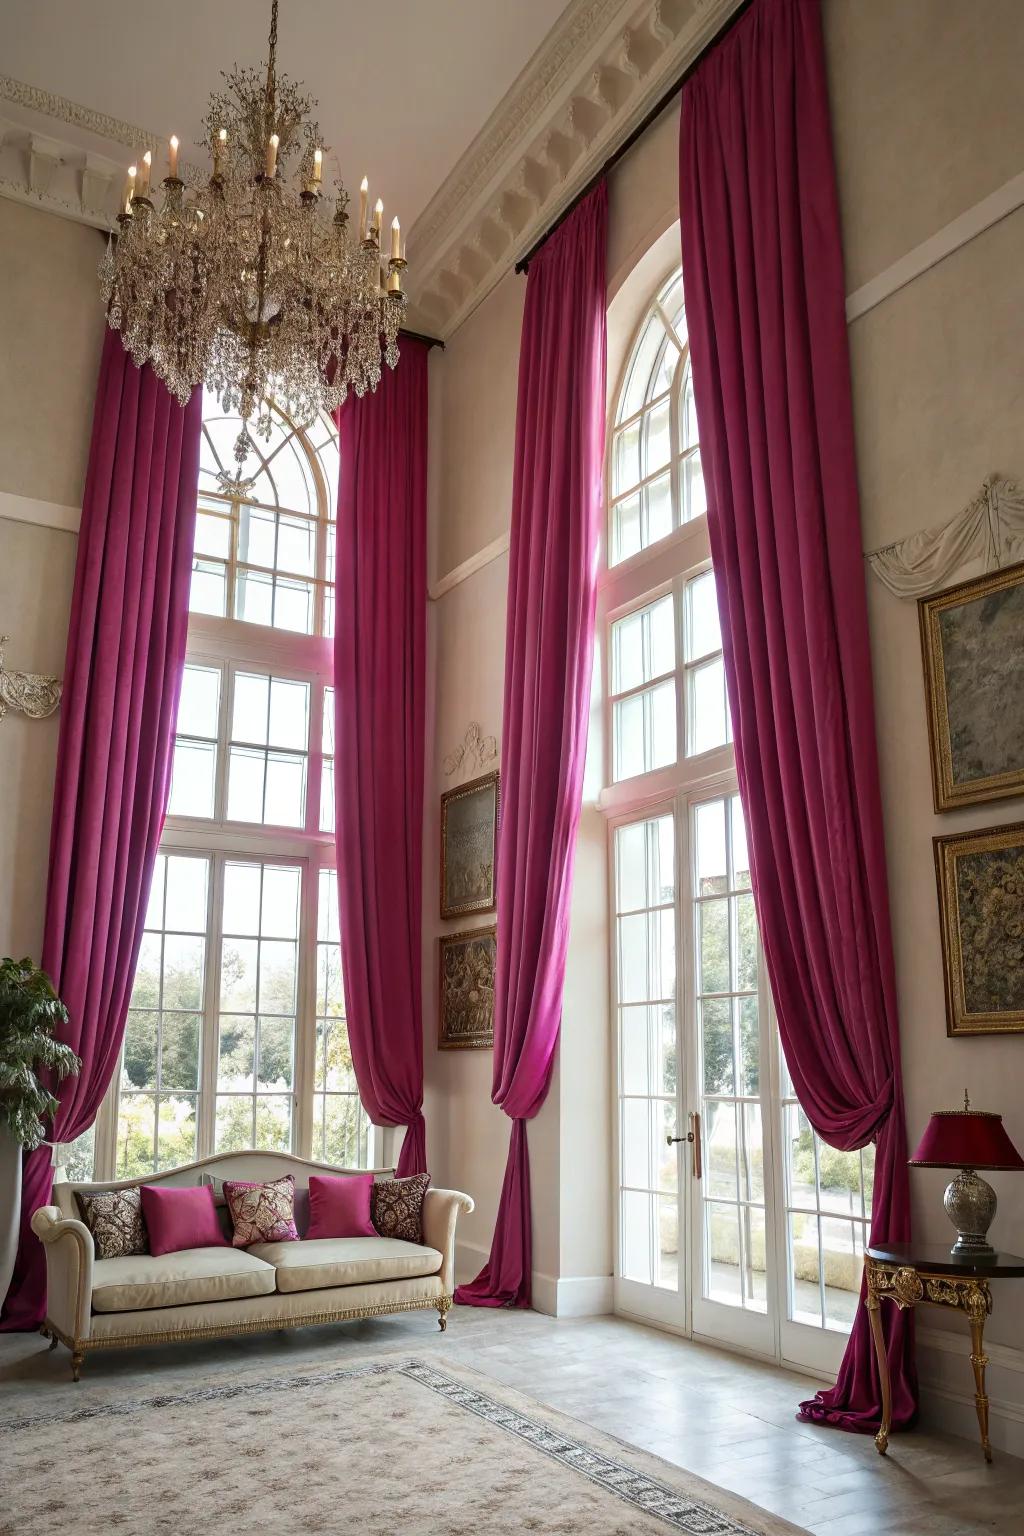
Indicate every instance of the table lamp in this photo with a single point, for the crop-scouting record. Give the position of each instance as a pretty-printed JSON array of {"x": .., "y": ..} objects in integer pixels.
[{"x": 967, "y": 1139}]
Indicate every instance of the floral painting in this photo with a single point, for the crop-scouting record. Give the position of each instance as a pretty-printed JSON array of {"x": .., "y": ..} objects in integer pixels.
[
  {"x": 469, "y": 830},
  {"x": 467, "y": 962},
  {"x": 981, "y": 905},
  {"x": 973, "y": 642}
]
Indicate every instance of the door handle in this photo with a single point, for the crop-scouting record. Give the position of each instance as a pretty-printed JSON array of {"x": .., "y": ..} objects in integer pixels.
[{"x": 692, "y": 1136}]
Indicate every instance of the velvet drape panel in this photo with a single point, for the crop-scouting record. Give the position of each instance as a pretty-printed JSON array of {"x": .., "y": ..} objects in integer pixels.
[
  {"x": 555, "y": 534},
  {"x": 765, "y": 296},
  {"x": 379, "y": 704},
  {"x": 122, "y": 680}
]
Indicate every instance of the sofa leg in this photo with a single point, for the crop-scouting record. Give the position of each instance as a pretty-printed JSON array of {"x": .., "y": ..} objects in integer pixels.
[
  {"x": 443, "y": 1307},
  {"x": 54, "y": 1341},
  {"x": 77, "y": 1358}
]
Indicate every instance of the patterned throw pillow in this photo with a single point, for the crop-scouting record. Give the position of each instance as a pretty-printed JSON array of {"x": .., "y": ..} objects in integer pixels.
[
  {"x": 262, "y": 1213},
  {"x": 396, "y": 1208},
  {"x": 114, "y": 1217}
]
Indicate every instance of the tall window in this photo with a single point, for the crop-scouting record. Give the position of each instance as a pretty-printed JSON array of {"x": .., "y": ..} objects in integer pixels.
[
  {"x": 236, "y": 1034},
  {"x": 751, "y": 1230}
]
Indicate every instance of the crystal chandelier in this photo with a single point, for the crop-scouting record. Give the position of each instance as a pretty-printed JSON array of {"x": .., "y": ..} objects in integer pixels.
[{"x": 243, "y": 284}]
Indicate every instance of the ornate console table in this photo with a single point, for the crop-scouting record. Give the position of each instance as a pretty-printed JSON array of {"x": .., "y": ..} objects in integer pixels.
[{"x": 907, "y": 1274}]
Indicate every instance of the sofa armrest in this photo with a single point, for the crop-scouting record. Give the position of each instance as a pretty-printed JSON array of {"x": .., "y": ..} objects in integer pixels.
[
  {"x": 441, "y": 1209},
  {"x": 69, "y": 1259}
]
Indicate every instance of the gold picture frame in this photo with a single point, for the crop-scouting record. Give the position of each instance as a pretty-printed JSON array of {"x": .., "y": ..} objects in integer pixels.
[
  {"x": 469, "y": 847},
  {"x": 981, "y": 895},
  {"x": 972, "y": 644},
  {"x": 466, "y": 967}
]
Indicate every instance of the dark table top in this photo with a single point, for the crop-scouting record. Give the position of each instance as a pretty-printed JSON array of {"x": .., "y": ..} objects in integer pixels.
[{"x": 937, "y": 1260}]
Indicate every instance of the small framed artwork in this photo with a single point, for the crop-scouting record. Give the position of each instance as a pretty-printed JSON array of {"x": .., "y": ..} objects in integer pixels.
[
  {"x": 466, "y": 1006},
  {"x": 981, "y": 901},
  {"x": 972, "y": 639},
  {"x": 469, "y": 837}
]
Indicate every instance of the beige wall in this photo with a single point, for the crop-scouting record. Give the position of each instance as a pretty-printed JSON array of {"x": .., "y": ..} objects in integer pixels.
[
  {"x": 51, "y": 325},
  {"x": 928, "y": 120}
]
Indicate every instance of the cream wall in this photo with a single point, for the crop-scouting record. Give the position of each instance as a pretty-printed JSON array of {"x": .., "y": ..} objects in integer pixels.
[
  {"x": 928, "y": 120},
  {"x": 51, "y": 325}
]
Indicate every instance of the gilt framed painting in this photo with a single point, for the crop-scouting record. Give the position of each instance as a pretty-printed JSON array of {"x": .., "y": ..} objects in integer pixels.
[
  {"x": 981, "y": 902},
  {"x": 469, "y": 837},
  {"x": 972, "y": 640},
  {"x": 466, "y": 1003}
]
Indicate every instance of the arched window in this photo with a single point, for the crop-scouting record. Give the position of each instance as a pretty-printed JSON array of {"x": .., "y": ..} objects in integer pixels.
[
  {"x": 656, "y": 477},
  {"x": 752, "y": 1232},
  {"x": 265, "y": 529},
  {"x": 236, "y": 1034}
]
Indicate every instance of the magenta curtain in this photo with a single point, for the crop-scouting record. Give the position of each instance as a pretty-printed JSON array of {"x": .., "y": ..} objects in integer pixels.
[
  {"x": 549, "y": 643},
  {"x": 763, "y": 268},
  {"x": 122, "y": 678},
  {"x": 379, "y": 707}
]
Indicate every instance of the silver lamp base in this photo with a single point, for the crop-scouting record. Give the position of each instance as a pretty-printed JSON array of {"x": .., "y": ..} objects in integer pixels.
[{"x": 970, "y": 1205}]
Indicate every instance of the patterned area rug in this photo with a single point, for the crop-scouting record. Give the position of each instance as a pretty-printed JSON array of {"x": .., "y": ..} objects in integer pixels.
[{"x": 385, "y": 1446}]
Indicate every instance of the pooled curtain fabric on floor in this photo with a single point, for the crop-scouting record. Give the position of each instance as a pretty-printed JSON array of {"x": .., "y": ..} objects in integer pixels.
[
  {"x": 763, "y": 270},
  {"x": 379, "y": 705},
  {"x": 549, "y": 642},
  {"x": 122, "y": 678}
]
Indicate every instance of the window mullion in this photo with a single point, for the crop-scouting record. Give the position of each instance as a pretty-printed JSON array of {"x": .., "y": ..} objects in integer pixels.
[{"x": 210, "y": 1040}]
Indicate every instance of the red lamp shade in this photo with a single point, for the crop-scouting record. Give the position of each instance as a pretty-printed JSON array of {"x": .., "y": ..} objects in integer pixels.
[{"x": 971, "y": 1138}]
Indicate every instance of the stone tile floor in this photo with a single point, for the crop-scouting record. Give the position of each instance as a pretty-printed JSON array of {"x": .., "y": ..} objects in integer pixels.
[{"x": 724, "y": 1417}]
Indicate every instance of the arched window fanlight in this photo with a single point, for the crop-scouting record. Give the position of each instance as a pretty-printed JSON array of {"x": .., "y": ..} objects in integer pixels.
[{"x": 656, "y": 481}]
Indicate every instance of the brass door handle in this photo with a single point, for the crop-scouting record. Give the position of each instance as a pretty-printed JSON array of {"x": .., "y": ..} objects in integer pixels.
[
  {"x": 670, "y": 1141},
  {"x": 692, "y": 1136}
]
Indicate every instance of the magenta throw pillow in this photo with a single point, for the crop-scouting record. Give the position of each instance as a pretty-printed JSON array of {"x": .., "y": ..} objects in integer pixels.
[
  {"x": 340, "y": 1206},
  {"x": 181, "y": 1217}
]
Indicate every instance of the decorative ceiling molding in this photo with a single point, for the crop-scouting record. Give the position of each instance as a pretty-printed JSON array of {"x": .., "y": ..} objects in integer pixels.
[{"x": 600, "y": 71}]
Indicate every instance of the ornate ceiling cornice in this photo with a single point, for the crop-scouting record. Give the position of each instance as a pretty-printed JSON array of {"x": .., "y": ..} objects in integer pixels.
[{"x": 600, "y": 71}]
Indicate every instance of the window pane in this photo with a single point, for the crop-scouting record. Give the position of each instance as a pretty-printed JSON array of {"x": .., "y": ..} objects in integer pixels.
[
  {"x": 720, "y": 1150},
  {"x": 213, "y": 534},
  {"x": 296, "y": 545},
  {"x": 184, "y": 966},
  {"x": 641, "y": 368},
  {"x": 254, "y": 597},
  {"x": 712, "y": 870},
  {"x": 234, "y": 1116},
  {"x": 193, "y": 779},
  {"x": 246, "y": 775},
  {"x": 635, "y": 1241},
  {"x": 277, "y": 976},
  {"x": 251, "y": 711},
  {"x": 293, "y": 605},
  {"x": 722, "y": 1253},
  {"x": 256, "y": 536},
  {"x": 289, "y": 714},
  {"x": 208, "y": 592},
  {"x": 658, "y": 508},
  {"x": 695, "y": 496},
  {"x": 668, "y": 1242},
  {"x": 237, "y": 1053},
  {"x": 688, "y": 435},
  {"x": 657, "y": 445},
  {"x": 708, "y": 720},
  {"x": 645, "y": 861},
  {"x": 187, "y": 880},
  {"x": 176, "y": 1138},
  {"x": 643, "y": 645},
  {"x": 626, "y": 534},
  {"x": 340, "y": 1131},
  {"x": 136, "y": 1135},
  {"x": 626, "y": 450},
  {"x": 635, "y": 1031},
  {"x": 138, "y": 1057},
  {"x": 281, "y": 894},
  {"x": 804, "y": 1269},
  {"x": 740, "y": 857},
  {"x": 238, "y": 975},
  {"x": 717, "y": 1046},
  {"x": 746, "y": 943},
  {"x": 703, "y": 635},
  {"x": 199, "y": 705},
  {"x": 275, "y": 1053},
  {"x": 750, "y": 1045},
  {"x": 242, "y": 898},
  {"x": 273, "y": 1122},
  {"x": 286, "y": 790},
  {"x": 713, "y": 946},
  {"x": 179, "y": 1050}
]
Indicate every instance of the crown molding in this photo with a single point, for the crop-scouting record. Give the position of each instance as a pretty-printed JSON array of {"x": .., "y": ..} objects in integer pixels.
[{"x": 601, "y": 69}]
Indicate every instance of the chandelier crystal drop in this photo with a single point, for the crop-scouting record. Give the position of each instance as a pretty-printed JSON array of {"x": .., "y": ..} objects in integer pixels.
[{"x": 243, "y": 284}]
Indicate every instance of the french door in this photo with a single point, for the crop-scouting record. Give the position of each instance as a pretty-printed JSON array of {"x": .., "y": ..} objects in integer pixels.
[{"x": 734, "y": 1222}]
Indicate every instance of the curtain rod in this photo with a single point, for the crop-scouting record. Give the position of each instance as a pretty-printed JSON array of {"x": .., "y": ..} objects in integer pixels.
[
  {"x": 640, "y": 129},
  {"x": 428, "y": 341}
]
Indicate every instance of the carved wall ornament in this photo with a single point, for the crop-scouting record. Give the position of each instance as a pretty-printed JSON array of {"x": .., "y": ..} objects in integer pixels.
[
  {"x": 30, "y": 692},
  {"x": 987, "y": 535},
  {"x": 476, "y": 754}
]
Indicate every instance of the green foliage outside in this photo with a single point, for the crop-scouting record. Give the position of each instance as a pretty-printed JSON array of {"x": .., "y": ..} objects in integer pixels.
[{"x": 30, "y": 1012}]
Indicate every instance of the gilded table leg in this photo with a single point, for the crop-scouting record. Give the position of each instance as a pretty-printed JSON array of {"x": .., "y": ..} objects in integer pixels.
[
  {"x": 874, "y": 1307},
  {"x": 977, "y": 1308}
]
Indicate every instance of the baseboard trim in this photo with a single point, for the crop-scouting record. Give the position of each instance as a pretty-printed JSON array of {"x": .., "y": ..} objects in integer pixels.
[
  {"x": 947, "y": 1395},
  {"x": 554, "y": 1295}
]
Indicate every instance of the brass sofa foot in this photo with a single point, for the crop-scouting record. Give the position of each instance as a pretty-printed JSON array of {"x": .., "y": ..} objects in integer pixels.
[
  {"x": 443, "y": 1307},
  {"x": 76, "y": 1364},
  {"x": 54, "y": 1341}
]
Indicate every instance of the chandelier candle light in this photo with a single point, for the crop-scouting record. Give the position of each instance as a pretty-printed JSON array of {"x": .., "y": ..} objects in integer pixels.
[
  {"x": 968, "y": 1139},
  {"x": 244, "y": 285}
]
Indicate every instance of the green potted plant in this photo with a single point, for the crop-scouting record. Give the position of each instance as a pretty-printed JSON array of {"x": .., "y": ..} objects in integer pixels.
[{"x": 30, "y": 1011}]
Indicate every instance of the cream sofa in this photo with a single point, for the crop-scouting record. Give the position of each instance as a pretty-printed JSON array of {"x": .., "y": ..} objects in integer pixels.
[{"x": 204, "y": 1293}]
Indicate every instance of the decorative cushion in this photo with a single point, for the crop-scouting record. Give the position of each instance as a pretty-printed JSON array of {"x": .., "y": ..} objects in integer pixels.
[
  {"x": 340, "y": 1207},
  {"x": 114, "y": 1217},
  {"x": 333, "y": 1261},
  {"x": 262, "y": 1213},
  {"x": 396, "y": 1207},
  {"x": 179, "y": 1217}
]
